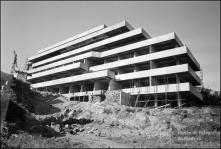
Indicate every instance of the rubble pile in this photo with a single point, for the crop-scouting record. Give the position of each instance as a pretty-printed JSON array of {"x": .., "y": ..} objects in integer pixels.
[
  {"x": 73, "y": 118},
  {"x": 113, "y": 96}
]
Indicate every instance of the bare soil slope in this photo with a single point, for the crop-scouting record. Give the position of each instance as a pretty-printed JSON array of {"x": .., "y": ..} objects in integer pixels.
[{"x": 107, "y": 124}]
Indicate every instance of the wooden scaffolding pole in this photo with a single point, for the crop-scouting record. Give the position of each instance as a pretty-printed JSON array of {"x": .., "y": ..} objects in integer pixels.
[
  {"x": 179, "y": 104},
  {"x": 155, "y": 92},
  {"x": 147, "y": 96},
  {"x": 137, "y": 98},
  {"x": 166, "y": 88}
]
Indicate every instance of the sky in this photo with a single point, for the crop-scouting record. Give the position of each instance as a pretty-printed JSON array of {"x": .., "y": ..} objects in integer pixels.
[{"x": 27, "y": 27}]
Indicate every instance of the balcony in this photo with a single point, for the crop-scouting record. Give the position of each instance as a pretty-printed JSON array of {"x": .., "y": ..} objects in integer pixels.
[
  {"x": 96, "y": 46},
  {"x": 145, "y": 58},
  {"x": 78, "y": 78},
  {"x": 91, "y": 54},
  {"x": 75, "y": 66},
  {"x": 177, "y": 69},
  {"x": 117, "y": 28},
  {"x": 160, "y": 89}
]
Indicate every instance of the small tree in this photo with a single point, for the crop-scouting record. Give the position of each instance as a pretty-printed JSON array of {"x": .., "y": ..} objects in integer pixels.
[
  {"x": 211, "y": 97},
  {"x": 26, "y": 64},
  {"x": 14, "y": 67}
]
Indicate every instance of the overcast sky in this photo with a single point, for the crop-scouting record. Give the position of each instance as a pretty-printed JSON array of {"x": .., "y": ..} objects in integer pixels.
[{"x": 30, "y": 26}]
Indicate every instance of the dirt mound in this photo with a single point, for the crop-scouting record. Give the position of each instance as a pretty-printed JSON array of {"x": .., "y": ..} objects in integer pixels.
[{"x": 114, "y": 115}]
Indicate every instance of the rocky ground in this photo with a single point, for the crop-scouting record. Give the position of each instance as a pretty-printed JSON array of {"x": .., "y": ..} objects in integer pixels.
[{"x": 109, "y": 125}]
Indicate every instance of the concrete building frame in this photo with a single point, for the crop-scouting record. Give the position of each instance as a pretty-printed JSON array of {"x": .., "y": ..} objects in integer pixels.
[{"x": 144, "y": 69}]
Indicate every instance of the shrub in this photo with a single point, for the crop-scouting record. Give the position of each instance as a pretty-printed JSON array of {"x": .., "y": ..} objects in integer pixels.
[
  {"x": 26, "y": 140},
  {"x": 211, "y": 97}
]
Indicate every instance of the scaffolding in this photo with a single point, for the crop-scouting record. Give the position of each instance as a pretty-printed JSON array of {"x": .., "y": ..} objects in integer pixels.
[
  {"x": 166, "y": 88},
  {"x": 201, "y": 78},
  {"x": 178, "y": 91},
  {"x": 155, "y": 92},
  {"x": 147, "y": 98},
  {"x": 144, "y": 86}
]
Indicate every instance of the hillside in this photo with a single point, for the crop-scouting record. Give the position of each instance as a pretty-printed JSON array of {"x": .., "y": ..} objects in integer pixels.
[{"x": 5, "y": 77}]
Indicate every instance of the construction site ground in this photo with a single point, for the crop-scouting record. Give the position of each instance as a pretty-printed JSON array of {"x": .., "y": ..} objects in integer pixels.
[{"x": 110, "y": 125}]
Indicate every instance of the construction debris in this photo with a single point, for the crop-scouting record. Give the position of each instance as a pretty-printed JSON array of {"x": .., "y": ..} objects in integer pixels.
[{"x": 111, "y": 122}]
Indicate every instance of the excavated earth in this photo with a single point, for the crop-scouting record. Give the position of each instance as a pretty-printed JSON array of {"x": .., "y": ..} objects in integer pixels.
[{"x": 108, "y": 125}]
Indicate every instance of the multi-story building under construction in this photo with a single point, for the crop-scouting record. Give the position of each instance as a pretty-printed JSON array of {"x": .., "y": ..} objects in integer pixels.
[{"x": 142, "y": 70}]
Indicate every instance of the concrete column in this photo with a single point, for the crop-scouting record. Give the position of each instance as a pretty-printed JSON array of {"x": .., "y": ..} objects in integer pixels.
[
  {"x": 150, "y": 81},
  {"x": 71, "y": 89},
  {"x": 113, "y": 85},
  {"x": 151, "y": 49},
  {"x": 177, "y": 61},
  {"x": 87, "y": 62},
  {"x": 52, "y": 90},
  {"x": 153, "y": 65},
  {"x": 55, "y": 90},
  {"x": 61, "y": 90},
  {"x": 76, "y": 88},
  {"x": 119, "y": 71},
  {"x": 2, "y": 88},
  {"x": 176, "y": 45},
  {"x": 179, "y": 103},
  {"x": 155, "y": 83},
  {"x": 83, "y": 88},
  {"x": 136, "y": 83},
  {"x": 136, "y": 69},
  {"x": 135, "y": 54},
  {"x": 155, "y": 101},
  {"x": 177, "y": 78},
  {"x": 119, "y": 58},
  {"x": 98, "y": 85}
]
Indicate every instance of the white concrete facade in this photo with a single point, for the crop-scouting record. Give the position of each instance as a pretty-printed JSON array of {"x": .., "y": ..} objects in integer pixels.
[{"x": 85, "y": 64}]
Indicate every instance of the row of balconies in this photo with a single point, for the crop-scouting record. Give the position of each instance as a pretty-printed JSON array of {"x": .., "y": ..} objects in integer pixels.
[
  {"x": 146, "y": 90},
  {"x": 107, "y": 44},
  {"x": 130, "y": 64},
  {"x": 66, "y": 58},
  {"x": 90, "y": 38},
  {"x": 177, "y": 69}
]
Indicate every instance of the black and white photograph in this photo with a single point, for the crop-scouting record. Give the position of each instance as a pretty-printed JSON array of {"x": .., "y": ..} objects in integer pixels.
[{"x": 110, "y": 74}]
